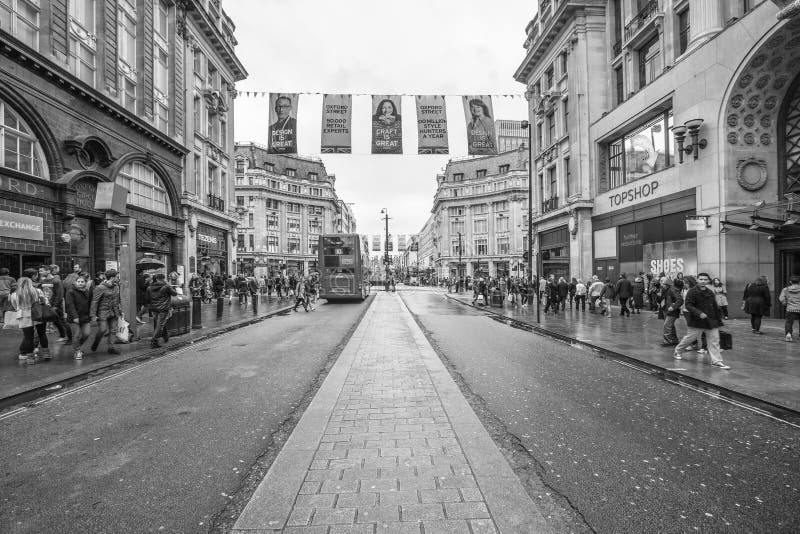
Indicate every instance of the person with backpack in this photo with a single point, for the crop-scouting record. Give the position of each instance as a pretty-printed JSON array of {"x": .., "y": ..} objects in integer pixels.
[
  {"x": 78, "y": 306},
  {"x": 790, "y": 298},
  {"x": 22, "y": 301},
  {"x": 105, "y": 309},
  {"x": 580, "y": 295},
  {"x": 704, "y": 317},
  {"x": 607, "y": 297}
]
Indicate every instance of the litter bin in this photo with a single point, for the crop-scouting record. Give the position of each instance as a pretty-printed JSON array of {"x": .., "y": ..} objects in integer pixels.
[
  {"x": 496, "y": 299},
  {"x": 180, "y": 322}
]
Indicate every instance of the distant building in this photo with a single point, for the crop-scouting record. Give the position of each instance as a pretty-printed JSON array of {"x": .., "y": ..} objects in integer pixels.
[
  {"x": 285, "y": 202},
  {"x": 478, "y": 224},
  {"x": 510, "y": 135}
]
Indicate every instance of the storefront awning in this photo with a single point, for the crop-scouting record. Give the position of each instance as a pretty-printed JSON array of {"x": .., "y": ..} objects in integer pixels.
[{"x": 780, "y": 219}]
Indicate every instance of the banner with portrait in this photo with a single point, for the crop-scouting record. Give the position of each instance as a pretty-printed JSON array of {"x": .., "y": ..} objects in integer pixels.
[
  {"x": 431, "y": 125},
  {"x": 376, "y": 243},
  {"x": 336, "y": 123},
  {"x": 401, "y": 243},
  {"x": 481, "y": 137},
  {"x": 387, "y": 126},
  {"x": 282, "y": 138}
]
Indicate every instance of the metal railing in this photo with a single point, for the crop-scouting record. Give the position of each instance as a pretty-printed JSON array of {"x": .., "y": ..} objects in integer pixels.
[
  {"x": 642, "y": 18},
  {"x": 214, "y": 202},
  {"x": 550, "y": 204}
]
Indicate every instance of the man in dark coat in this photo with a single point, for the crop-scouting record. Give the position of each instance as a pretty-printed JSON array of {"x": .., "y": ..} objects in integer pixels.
[
  {"x": 673, "y": 301},
  {"x": 551, "y": 292},
  {"x": 624, "y": 291},
  {"x": 563, "y": 291},
  {"x": 160, "y": 294},
  {"x": 704, "y": 317}
]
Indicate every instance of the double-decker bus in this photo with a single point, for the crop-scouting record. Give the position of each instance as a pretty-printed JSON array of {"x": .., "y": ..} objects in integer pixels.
[{"x": 343, "y": 267}]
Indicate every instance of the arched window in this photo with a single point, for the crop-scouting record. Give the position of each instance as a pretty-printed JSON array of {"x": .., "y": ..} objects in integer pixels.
[
  {"x": 20, "y": 149},
  {"x": 146, "y": 190}
]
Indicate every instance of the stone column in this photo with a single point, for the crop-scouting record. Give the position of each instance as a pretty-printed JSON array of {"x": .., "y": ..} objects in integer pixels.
[{"x": 705, "y": 20}]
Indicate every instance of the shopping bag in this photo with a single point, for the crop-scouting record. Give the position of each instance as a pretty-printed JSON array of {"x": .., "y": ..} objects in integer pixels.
[
  {"x": 10, "y": 320},
  {"x": 725, "y": 340},
  {"x": 122, "y": 330}
]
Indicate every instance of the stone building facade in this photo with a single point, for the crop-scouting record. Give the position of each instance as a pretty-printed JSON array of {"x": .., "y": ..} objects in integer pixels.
[
  {"x": 285, "y": 203},
  {"x": 210, "y": 70},
  {"x": 565, "y": 56},
  {"x": 92, "y": 159},
  {"x": 478, "y": 222}
]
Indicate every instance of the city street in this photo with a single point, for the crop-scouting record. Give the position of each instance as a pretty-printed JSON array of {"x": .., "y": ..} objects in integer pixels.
[
  {"x": 164, "y": 446},
  {"x": 630, "y": 452}
]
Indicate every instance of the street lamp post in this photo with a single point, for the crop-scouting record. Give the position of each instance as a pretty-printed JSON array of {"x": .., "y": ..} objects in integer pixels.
[
  {"x": 386, "y": 247},
  {"x": 527, "y": 126}
]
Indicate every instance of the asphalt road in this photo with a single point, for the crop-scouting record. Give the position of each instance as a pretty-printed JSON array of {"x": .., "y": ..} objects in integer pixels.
[
  {"x": 173, "y": 445},
  {"x": 609, "y": 449}
]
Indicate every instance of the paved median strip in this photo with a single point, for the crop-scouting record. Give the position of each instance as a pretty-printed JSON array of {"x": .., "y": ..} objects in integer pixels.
[{"x": 390, "y": 442}]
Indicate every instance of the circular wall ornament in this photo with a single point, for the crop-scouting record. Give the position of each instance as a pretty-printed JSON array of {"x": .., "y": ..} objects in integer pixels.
[
  {"x": 771, "y": 102},
  {"x": 737, "y": 100},
  {"x": 745, "y": 81},
  {"x": 793, "y": 43},
  {"x": 751, "y": 173},
  {"x": 749, "y": 139},
  {"x": 733, "y": 120},
  {"x": 766, "y": 121},
  {"x": 749, "y": 121},
  {"x": 775, "y": 62},
  {"x": 753, "y": 101},
  {"x": 765, "y": 139},
  {"x": 762, "y": 81},
  {"x": 759, "y": 60},
  {"x": 779, "y": 82},
  {"x": 733, "y": 138}
]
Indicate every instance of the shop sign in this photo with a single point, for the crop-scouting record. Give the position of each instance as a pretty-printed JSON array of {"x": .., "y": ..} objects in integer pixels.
[
  {"x": 85, "y": 193},
  {"x": 111, "y": 196},
  {"x": 21, "y": 226},
  {"x": 207, "y": 238},
  {"x": 14, "y": 185},
  {"x": 637, "y": 192}
]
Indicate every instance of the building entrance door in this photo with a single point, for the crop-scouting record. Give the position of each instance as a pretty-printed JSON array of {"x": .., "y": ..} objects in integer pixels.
[
  {"x": 606, "y": 269},
  {"x": 789, "y": 266}
]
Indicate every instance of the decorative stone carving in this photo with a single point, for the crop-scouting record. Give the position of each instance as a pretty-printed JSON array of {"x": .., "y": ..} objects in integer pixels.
[
  {"x": 751, "y": 173},
  {"x": 751, "y": 115}
]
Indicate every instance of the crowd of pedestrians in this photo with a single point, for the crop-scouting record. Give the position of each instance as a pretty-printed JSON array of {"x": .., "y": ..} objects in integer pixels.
[
  {"x": 700, "y": 300},
  {"x": 245, "y": 289}
]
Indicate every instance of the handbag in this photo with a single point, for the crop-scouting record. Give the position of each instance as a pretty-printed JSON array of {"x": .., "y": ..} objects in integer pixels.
[
  {"x": 725, "y": 340},
  {"x": 10, "y": 320},
  {"x": 42, "y": 313}
]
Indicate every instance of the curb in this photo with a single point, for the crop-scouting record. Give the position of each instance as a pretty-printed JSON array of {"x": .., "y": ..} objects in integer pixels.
[
  {"x": 754, "y": 403},
  {"x": 58, "y": 385}
]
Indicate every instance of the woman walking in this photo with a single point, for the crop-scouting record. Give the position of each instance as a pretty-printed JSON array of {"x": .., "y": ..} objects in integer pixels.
[
  {"x": 721, "y": 296},
  {"x": 757, "y": 301},
  {"x": 638, "y": 293},
  {"x": 22, "y": 300}
]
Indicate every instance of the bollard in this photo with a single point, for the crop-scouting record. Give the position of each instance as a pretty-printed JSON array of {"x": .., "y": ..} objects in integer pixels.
[
  {"x": 220, "y": 306},
  {"x": 197, "y": 319},
  {"x": 255, "y": 303}
]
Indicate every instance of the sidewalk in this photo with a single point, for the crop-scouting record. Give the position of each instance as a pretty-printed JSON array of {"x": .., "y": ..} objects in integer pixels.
[
  {"x": 764, "y": 367},
  {"x": 389, "y": 445},
  {"x": 17, "y": 377}
]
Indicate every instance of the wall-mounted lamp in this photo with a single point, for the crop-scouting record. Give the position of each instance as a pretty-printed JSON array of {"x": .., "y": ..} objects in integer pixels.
[{"x": 692, "y": 127}]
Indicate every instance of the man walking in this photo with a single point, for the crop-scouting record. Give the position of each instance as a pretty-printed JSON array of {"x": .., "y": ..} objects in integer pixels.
[
  {"x": 105, "y": 309},
  {"x": 596, "y": 289},
  {"x": 704, "y": 318},
  {"x": 160, "y": 297},
  {"x": 300, "y": 294},
  {"x": 673, "y": 301},
  {"x": 624, "y": 290}
]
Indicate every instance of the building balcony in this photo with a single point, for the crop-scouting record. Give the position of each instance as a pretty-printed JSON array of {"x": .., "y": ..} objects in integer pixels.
[
  {"x": 616, "y": 48},
  {"x": 215, "y": 203},
  {"x": 643, "y": 20},
  {"x": 551, "y": 204}
]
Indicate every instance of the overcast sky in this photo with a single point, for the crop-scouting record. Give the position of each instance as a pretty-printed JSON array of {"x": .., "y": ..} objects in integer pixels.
[{"x": 451, "y": 47}]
